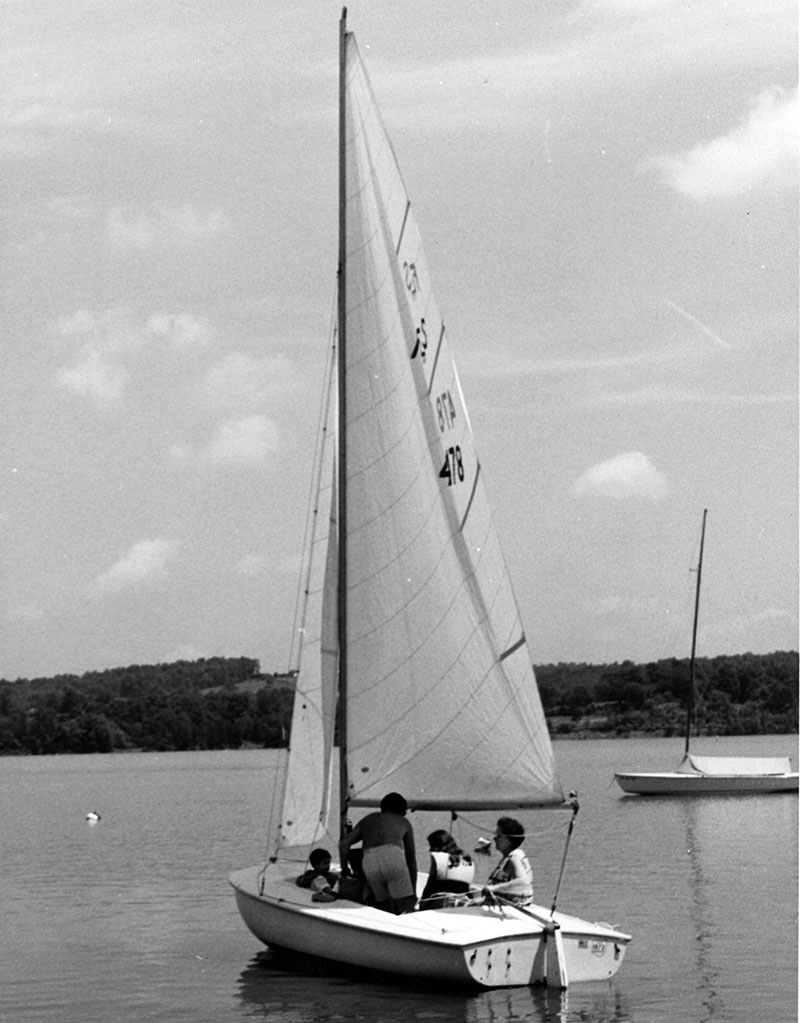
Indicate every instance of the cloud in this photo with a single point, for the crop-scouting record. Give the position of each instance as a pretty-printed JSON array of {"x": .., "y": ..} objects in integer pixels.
[
  {"x": 602, "y": 46},
  {"x": 93, "y": 376},
  {"x": 624, "y": 477},
  {"x": 35, "y": 128},
  {"x": 761, "y": 151},
  {"x": 107, "y": 341},
  {"x": 241, "y": 381},
  {"x": 144, "y": 563},
  {"x": 108, "y": 331},
  {"x": 180, "y": 330},
  {"x": 163, "y": 226},
  {"x": 243, "y": 441}
]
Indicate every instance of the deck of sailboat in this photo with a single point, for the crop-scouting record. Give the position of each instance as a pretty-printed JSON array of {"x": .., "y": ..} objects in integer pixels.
[
  {"x": 667, "y": 783},
  {"x": 486, "y": 945}
]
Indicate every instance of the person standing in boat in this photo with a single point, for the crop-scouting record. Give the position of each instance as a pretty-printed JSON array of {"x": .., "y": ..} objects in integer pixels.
[
  {"x": 451, "y": 871},
  {"x": 390, "y": 860},
  {"x": 512, "y": 878}
]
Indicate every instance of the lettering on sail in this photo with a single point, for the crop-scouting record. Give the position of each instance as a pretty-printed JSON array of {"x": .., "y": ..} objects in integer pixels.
[{"x": 454, "y": 466}]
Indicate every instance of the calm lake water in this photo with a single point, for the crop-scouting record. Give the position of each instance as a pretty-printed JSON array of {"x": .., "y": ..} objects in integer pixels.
[{"x": 132, "y": 918}]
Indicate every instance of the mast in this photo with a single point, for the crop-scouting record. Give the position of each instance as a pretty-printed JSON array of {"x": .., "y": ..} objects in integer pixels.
[
  {"x": 690, "y": 703},
  {"x": 341, "y": 474}
]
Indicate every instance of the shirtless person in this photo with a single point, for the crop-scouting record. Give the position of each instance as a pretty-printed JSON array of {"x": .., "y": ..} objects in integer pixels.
[{"x": 390, "y": 861}]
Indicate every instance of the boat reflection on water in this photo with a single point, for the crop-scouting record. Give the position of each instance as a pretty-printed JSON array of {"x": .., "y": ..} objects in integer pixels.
[
  {"x": 707, "y": 868},
  {"x": 288, "y": 987}
]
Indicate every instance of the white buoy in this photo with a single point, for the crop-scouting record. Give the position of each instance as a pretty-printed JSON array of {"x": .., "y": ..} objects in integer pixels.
[{"x": 92, "y": 816}]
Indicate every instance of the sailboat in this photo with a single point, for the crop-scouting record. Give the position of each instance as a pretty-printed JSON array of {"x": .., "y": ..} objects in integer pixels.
[
  {"x": 414, "y": 674},
  {"x": 703, "y": 775}
]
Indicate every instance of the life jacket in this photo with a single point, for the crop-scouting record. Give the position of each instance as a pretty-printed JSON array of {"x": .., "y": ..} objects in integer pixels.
[
  {"x": 453, "y": 873},
  {"x": 521, "y": 890}
]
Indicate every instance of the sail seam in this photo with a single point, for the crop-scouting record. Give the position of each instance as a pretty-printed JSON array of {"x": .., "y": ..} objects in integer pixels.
[
  {"x": 465, "y": 516},
  {"x": 402, "y": 228},
  {"x": 436, "y": 359},
  {"x": 513, "y": 649}
]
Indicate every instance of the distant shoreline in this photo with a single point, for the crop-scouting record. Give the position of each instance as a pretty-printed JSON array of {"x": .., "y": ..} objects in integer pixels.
[{"x": 229, "y": 703}]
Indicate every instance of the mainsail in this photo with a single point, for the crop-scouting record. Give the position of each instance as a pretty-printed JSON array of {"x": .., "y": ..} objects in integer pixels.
[{"x": 442, "y": 703}]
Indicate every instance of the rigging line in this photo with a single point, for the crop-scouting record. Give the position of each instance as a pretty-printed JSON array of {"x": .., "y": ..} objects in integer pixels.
[
  {"x": 482, "y": 826},
  {"x": 575, "y": 808},
  {"x": 312, "y": 501}
]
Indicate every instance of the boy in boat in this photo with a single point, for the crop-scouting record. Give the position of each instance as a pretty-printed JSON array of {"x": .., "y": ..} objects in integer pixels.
[
  {"x": 390, "y": 861},
  {"x": 319, "y": 877}
]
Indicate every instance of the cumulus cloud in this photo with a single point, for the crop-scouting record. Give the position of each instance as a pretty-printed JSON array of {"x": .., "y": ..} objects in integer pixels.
[
  {"x": 106, "y": 342},
  {"x": 145, "y": 562},
  {"x": 242, "y": 381},
  {"x": 244, "y": 441},
  {"x": 763, "y": 149},
  {"x": 163, "y": 226},
  {"x": 93, "y": 376},
  {"x": 97, "y": 371},
  {"x": 628, "y": 476},
  {"x": 180, "y": 330},
  {"x": 111, "y": 330}
]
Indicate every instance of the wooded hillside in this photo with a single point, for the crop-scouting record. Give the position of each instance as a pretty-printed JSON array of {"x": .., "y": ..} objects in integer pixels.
[{"x": 224, "y": 703}]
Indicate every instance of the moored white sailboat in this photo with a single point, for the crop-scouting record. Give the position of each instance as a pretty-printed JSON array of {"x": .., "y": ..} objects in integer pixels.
[
  {"x": 413, "y": 649},
  {"x": 709, "y": 775}
]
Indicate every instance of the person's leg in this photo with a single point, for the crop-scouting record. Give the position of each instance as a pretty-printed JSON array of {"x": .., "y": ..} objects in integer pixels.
[
  {"x": 398, "y": 881},
  {"x": 403, "y": 905},
  {"x": 372, "y": 866}
]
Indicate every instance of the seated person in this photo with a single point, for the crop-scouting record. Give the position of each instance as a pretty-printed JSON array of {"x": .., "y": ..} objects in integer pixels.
[
  {"x": 451, "y": 871},
  {"x": 512, "y": 878},
  {"x": 319, "y": 877}
]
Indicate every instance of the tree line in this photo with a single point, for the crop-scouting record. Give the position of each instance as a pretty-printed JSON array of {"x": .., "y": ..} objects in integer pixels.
[
  {"x": 742, "y": 694},
  {"x": 227, "y": 703}
]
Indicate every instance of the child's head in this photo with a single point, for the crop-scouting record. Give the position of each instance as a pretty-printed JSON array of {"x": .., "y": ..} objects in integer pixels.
[{"x": 320, "y": 859}]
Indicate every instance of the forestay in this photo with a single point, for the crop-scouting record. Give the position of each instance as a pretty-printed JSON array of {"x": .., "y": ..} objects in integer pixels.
[{"x": 307, "y": 798}]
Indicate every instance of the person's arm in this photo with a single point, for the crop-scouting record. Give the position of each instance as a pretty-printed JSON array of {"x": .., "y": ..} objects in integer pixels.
[
  {"x": 351, "y": 838},
  {"x": 411, "y": 854},
  {"x": 430, "y": 884}
]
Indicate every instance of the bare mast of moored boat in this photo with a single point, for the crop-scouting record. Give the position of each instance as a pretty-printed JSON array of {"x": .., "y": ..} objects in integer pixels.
[{"x": 691, "y": 699}]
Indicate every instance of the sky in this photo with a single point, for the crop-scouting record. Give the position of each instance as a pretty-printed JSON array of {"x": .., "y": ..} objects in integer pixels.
[{"x": 607, "y": 195}]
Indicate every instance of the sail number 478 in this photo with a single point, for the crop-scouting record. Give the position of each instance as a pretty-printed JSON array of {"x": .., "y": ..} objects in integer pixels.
[{"x": 453, "y": 468}]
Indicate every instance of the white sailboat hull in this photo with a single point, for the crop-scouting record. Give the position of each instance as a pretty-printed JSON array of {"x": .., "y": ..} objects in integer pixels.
[
  {"x": 473, "y": 945},
  {"x": 679, "y": 783}
]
